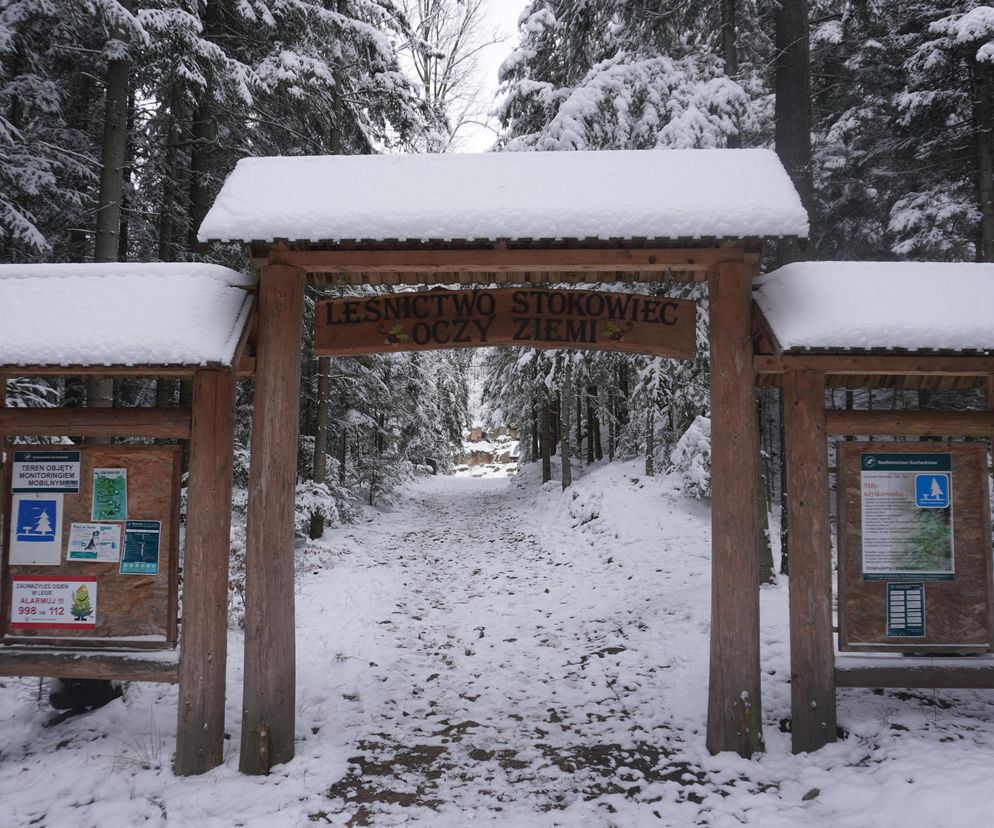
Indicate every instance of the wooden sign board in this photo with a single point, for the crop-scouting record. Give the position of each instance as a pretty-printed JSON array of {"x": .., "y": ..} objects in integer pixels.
[
  {"x": 914, "y": 547},
  {"x": 533, "y": 317},
  {"x": 82, "y": 574}
]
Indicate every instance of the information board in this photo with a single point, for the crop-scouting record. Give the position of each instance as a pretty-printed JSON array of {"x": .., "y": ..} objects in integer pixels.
[
  {"x": 90, "y": 546},
  {"x": 914, "y": 547}
]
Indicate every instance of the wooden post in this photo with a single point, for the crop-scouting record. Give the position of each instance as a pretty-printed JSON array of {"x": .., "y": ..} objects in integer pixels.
[
  {"x": 812, "y": 651},
  {"x": 203, "y": 655},
  {"x": 268, "y": 709},
  {"x": 734, "y": 698}
]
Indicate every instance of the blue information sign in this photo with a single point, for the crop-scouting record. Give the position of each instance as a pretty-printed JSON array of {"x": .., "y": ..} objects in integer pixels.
[{"x": 932, "y": 491}]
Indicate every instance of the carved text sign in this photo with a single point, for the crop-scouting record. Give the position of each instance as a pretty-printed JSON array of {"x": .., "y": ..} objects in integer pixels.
[{"x": 534, "y": 317}]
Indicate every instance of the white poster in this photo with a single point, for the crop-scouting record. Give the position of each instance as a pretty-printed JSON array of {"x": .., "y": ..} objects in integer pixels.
[
  {"x": 36, "y": 529},
  {"x": 907, "y": 523},
  {"x": 45, "y": 471},
  {"x": 97, "y": 542},
  {"x": 64, "y": 603}
]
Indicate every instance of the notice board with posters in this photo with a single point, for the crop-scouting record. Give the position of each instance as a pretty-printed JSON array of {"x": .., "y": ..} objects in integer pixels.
[
  {"x": 914, "y": 547},
  {"x": 90, "y": 545}
]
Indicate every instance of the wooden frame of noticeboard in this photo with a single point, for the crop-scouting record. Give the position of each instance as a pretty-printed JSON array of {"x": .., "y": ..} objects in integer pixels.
[
  {"x": 133, "y": 609},
  {"x": 945, "y": 608}
]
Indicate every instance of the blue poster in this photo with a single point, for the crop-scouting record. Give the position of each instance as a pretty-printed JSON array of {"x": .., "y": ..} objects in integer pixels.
[
  {"x": 932, "y": 491},
  {"x": 35, "y": 528},
  {"x": 36, "y": 521}
]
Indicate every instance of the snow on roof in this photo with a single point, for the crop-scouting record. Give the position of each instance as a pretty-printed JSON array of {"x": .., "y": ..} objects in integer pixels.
[
  {"x": 510, "y": 195},
  {"x": 121, "y": 314},
  {"x": 871, "y": 305}
]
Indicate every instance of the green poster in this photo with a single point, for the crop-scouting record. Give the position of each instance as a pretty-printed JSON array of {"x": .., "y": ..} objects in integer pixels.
[{"x": 110, "y": 494}]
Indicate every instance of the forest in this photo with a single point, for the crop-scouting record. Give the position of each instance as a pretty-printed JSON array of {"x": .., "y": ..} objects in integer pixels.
[{"x": 119, "y": 120}]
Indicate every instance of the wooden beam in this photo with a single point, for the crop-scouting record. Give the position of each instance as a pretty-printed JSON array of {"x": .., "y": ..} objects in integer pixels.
[
  {"x": 734, "y": 698},
  {"x": 812, "y": 651},
  {"x": 38, "y": 662},
  {"x": 200, "y": 727},
  {"x": 866, "y": 364},
  {"x": 268, "y": 709},
  {"x": 181, "y": 371},
  {"x": 569, "y": 260},
  {"x": 910, "y": 423},
  {"x": 163, "y": 423},
  {"x": 979, "y": 675}
]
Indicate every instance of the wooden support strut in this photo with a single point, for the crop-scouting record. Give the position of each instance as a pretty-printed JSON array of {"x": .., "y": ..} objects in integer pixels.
[
  {"x": 812, "y": 652},
  {"x": 910, "y": 423},
  {"x": 734, "y": 699},
  {"x": 162, "y": 423},
  {"x": 270, "y": 678},
  {"x": 200, "y": 727},
  {"x": 631, "y": 260}
]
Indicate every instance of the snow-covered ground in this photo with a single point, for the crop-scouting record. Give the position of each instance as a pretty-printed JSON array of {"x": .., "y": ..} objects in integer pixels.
[{"x": 497, "y": 652}]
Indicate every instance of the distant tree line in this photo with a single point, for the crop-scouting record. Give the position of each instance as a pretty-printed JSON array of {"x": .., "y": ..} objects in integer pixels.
[{"x": 119, "y": 119}]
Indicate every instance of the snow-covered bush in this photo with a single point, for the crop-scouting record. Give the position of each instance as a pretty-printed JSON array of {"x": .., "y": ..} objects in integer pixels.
[
  {"x": 335, "y": 503},
  {"x": 691, "y": 457}
]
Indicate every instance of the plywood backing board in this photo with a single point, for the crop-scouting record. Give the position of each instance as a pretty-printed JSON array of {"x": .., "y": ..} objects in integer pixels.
[
  {"x": 958, "y": 613},
  {"x": 134, "y": 610}
]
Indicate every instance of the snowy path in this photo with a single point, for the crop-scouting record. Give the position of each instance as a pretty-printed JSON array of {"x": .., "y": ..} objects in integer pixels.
[
  {"x": 519, "y": 670},
  {"x": 497, "y": 652}
]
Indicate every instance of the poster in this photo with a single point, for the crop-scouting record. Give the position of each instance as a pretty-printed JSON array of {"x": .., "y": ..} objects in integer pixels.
[
  {"x": 98, "y": 542},
  {"x": 45, "y": 471},
  {"x": 907, "y": 516},
  {"x": 906, "y": 610},
  {"x": 141, "y": 547},
  {"x": 110, "y": 495},
  {"x": 63, "y": 603},
  {"x": 36, "y": 529}
]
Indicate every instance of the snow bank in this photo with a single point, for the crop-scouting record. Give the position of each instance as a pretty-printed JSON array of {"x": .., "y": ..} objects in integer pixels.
[
  {"x": 864, "y": 305},
  {"x": 543, "y": 195},
  {"x": 121, "y": 314}
]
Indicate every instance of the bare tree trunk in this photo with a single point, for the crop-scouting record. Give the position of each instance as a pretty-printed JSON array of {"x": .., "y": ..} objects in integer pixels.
[
  {"x": 106, "y": 246},
  {"x": 598, "y": 448},
  {"x": 983, "y": 137},
  {"x": 545, "y": 441},
  {"x": 591, "y": 423},
  {"x": 204, "y": 134},
  {"x": 767, "y": 572},
  {"x": 556, "y": 424},
  {"x": 343, "y": 450},
  {"x": 650, "y": 442},
  {"x": 566, "y": 396},
  {"x": 730, "y": 53},
  {"x": 612, "y": 423},
  {"x": 319, "y": 469},
  {"x": 535, "y": 429},
  {"x": 784, "y": 528},
  {"x": 167, "y": 204},
  {"x": 321, "y": 419},
  {"x": 793, "y": 107}
]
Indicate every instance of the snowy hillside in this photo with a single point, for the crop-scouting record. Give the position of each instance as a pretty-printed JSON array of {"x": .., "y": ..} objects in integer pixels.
[{"x": 497, "y": 652}]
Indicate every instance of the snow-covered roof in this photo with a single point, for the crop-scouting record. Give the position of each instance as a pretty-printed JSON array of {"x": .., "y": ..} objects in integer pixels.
[
  {"x": 121, "y": 314},
  {"x": 657, "y": 194},
  {"x": 880, "y": 305}
]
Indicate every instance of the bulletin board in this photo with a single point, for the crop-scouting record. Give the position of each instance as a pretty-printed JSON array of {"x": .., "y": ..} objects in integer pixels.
[
  {"x": 914, "y": 547},
  {"x": 90, "y": 546}
]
